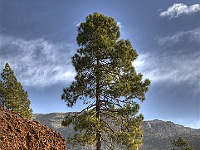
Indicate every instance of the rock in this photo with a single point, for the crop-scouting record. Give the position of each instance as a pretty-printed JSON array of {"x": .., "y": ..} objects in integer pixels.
[{"x": 18, "y": 133}]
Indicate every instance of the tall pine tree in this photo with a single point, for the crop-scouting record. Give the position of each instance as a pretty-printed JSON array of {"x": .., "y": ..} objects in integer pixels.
[
  {"x": 107, "y": 82},
  {"x": 13, "y": 96}
]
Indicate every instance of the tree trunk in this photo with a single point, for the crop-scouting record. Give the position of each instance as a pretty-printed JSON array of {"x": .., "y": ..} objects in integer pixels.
[
  {"x": 98, "y": 132},
  {"x": 98, "y": 144},
  {"x": 98, "y": 105}
]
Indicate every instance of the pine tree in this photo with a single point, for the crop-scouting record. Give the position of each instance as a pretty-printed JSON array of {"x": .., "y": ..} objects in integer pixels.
[
  {"x": 108, "y": 84},
  {"x": 181, "y": 144},
  {"x": 13, "y": 96}
]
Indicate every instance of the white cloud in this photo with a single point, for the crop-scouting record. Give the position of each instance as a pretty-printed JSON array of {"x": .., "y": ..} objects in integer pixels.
[
  {"x": 194, "y": 35},
  {"x": 77, "y": 24},
  {"x": 169, "y": 68},
  {"x": 140, "y": 62},
  {"x": 180, "y": 9},
  {"x": 37, "y": 62},
  {"x": 120, "y": 25}
]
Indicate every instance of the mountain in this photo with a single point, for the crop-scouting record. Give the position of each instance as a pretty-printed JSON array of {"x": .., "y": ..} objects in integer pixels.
[{"x": 157, "y": 133}]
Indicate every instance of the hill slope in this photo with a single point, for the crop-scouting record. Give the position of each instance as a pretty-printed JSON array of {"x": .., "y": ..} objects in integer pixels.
[
  {"x": 157, "y": 133},
  {"x": 17, "y": 132}
]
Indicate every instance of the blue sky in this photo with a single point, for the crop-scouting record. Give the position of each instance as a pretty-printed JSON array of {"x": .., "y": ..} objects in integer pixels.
[{"x": 38, "y": 39}]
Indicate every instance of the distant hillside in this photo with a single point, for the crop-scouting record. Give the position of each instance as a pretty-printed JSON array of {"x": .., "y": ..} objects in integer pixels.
[{"x": 157, "y": 133}]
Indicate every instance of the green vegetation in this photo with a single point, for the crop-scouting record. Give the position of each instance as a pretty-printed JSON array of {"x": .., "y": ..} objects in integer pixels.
[
  {"x": 181, "y": 144},
  {"x": 12, "y": 94},
  {"x": 108, "y": 84}
]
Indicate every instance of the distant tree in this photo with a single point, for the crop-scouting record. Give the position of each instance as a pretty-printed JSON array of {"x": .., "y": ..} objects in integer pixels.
[
  {"x": 181, "y": 144},
  {"x": 107, "y": 82},
  {"x": 2, "y": 89},
  {"x": 13, "y": 96}
]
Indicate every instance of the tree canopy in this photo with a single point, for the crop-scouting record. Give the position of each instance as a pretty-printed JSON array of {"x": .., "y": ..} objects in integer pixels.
[
  {"x": 181, "y": 144},
  {"x": 107, "y": 82},
  {"x": 12, "y": 95}
]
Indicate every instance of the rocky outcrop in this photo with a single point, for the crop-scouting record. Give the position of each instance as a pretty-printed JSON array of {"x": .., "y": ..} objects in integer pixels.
[{"x": 18, "y": 133}]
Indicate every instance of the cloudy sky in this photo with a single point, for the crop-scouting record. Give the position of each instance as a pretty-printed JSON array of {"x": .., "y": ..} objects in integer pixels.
[{"x": 38, "y": 39}]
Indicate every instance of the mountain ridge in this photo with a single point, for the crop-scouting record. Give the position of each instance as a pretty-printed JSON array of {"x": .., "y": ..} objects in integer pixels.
[{"x": 157, "y": 133}]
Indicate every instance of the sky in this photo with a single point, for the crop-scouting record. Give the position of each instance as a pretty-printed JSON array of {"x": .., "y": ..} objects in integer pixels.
[{"x": 38, "y": 39}]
